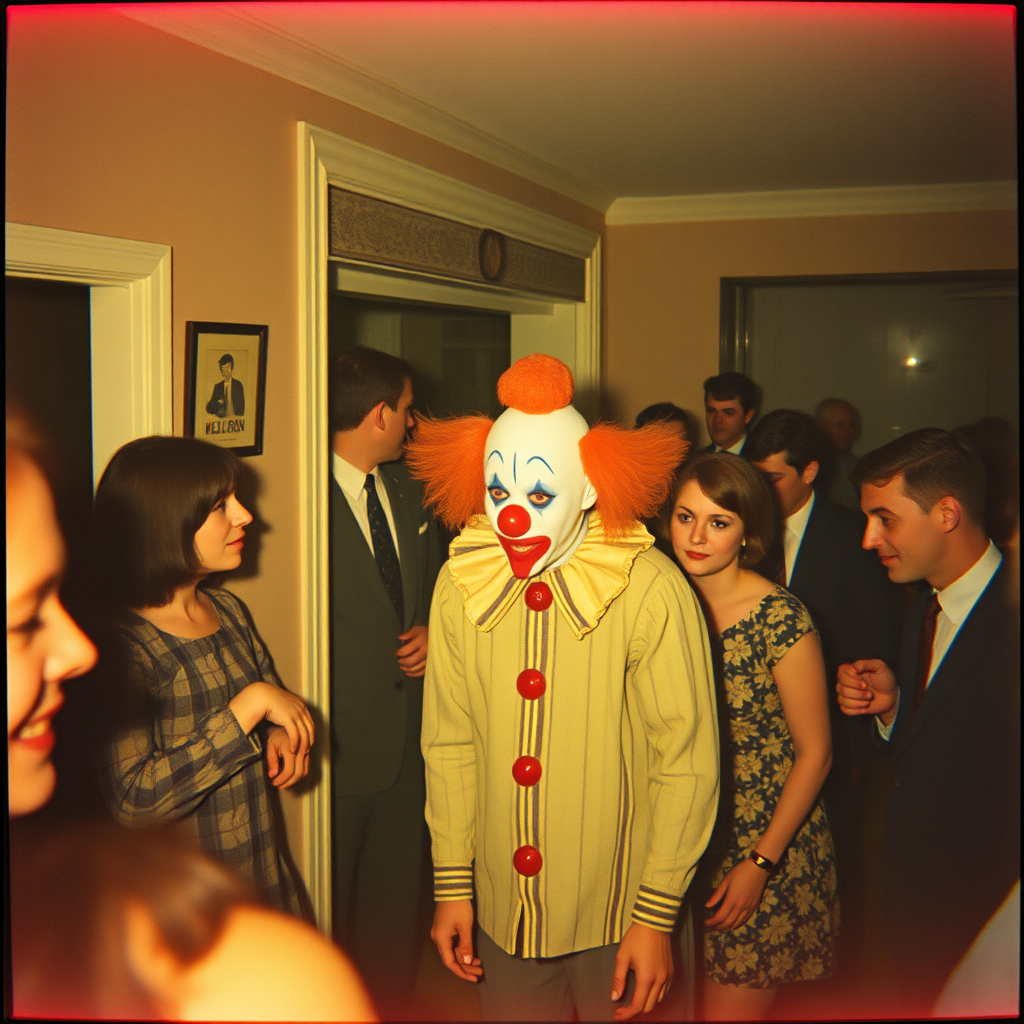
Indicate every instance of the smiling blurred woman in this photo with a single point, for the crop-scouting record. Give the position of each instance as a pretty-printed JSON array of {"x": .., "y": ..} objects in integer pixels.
[
  {"x": 44, "y": 644},
  {"x": 773, "y": 910},
  {"x": 205, "y": 704}
]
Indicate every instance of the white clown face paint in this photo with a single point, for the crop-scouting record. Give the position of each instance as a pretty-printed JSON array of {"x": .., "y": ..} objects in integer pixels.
[{"x": 537, "y": 493}]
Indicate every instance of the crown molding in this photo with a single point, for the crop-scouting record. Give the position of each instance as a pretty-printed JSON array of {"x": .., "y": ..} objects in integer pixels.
[
  {"x": 817, "y": 202},
  {"x": 244, "y": 37}
]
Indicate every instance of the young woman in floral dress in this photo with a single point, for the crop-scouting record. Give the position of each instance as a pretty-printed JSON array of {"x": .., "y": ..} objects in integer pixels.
[{"x": 772, "y": 914}]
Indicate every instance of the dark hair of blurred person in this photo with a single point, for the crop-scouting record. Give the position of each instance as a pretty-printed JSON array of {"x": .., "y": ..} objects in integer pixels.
[
  {"x": 112, "y": 924},
  {"x": 664, "y": 412}
]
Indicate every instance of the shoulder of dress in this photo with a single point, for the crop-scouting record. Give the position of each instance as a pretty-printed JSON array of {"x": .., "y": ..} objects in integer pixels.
[
  {"x": 782, "y": 599},
  {"x": 223, "y": 596}
]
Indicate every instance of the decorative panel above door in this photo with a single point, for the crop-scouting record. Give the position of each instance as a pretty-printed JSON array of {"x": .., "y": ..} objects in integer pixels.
[{"x": 376, "y": 231}]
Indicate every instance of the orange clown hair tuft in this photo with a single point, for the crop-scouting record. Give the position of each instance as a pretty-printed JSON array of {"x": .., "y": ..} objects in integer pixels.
[
  {"x": 448, "y": 456},
  {"x": 631, "y": 470},
  {"x": 536, "y": 384}
]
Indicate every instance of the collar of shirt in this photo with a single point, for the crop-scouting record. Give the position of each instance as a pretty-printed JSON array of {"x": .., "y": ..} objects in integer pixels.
[
  {"x": 351, "y": 480},
  {"x": 957, "y": 600},
  {"x": 794, "y": 527},
  {"x": 735, "y": 449}
]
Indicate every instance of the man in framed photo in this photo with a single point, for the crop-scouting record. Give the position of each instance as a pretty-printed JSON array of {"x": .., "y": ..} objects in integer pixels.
[{"x": 228, "y": 397}]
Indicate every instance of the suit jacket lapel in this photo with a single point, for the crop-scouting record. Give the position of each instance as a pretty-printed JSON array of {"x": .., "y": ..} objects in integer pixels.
[
  {"x": 959, "y": 658},
  {"x": 406, "y": 531},
  {"x": 803, "y": 571},
  {"x": 352, "y": 544}
]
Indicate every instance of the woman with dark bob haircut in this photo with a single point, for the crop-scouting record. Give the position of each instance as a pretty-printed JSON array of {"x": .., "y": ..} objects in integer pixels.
[
  {"x": 204, "y": 703},
  {"x": 770, "y": 867}
]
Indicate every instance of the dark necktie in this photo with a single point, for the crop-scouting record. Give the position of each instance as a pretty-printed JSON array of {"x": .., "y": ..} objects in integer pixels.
[
  {"x": 924, "y": 649},
  {"x": 384, "y": 552}
]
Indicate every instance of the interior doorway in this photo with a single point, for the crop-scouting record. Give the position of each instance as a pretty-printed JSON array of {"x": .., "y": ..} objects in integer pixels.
[
  {"x": 457, "y": 354},
  {"x": 47, "y": 365}
]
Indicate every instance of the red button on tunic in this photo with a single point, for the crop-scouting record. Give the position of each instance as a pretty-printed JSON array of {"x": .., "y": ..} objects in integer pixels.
[
  {"x": 538, "y": 596},
  {"x": 527, "y": 860},
  {"x": 531, "y": 684},
  {"x": 526, "y": 771}
]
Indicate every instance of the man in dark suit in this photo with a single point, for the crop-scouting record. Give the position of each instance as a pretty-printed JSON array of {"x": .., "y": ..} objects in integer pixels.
[
  {"x": 228, "y": 398},
  {"x": 384, "y": 561},
  {"x": 950, "y": 715},
  {"x": 730, "y": 403}
]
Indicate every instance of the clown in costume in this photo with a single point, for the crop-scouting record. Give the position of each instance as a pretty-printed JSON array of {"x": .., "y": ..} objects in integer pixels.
[{"x": 569, "y": 723}]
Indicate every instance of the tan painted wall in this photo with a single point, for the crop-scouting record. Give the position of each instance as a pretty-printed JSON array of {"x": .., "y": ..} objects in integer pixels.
[
  {"x": 662, "y": 283},
  {"x": 114, "y": 128}
]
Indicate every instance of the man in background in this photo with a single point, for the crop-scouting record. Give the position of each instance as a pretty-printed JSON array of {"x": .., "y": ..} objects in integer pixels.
[
  {"x": 840, "y": 423},
  {"x": 384, "y": 561},
  {"x": 730, "y": 404}
]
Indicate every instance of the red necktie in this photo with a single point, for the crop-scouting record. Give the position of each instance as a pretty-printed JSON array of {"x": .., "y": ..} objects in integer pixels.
[{"x": 924, "y": 649}]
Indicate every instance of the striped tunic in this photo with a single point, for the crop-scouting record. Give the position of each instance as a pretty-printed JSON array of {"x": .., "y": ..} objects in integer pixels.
[
  {"x": 185, "y": 757},
  {"x": 624, "y": 734}
]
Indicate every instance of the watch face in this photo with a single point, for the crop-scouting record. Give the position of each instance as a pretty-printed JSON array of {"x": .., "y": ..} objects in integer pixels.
[{"x": 492, "y": 255}]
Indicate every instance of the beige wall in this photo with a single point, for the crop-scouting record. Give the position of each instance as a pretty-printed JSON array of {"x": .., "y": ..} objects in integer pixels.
[
  {"x": 114, "y": 128},
  {"x": 662, "y": 283}
]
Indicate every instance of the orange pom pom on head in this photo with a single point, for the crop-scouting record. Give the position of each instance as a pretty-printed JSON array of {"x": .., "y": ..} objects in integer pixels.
[{"x": 536, "y": 384}]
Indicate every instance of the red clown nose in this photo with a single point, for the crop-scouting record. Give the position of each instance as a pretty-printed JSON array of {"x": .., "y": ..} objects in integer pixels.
[{"x": 514, "y": 520}]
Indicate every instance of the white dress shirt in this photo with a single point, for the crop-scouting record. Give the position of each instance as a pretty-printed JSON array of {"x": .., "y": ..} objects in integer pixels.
[
  {"x": 955, "y": 603},
  {"x": 736, "y": 449},
  {"x": 793, "y": 529},
  {"x": 352, "y": 482}
]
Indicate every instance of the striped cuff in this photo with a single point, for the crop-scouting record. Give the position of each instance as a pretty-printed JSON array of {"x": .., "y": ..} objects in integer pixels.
[
  {"x": 453, "y": 883},
  {"x": 656, "y": 909}
]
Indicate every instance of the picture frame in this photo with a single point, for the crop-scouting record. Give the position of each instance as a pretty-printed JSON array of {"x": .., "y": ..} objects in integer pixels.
[{"x": 225, "y": 384}]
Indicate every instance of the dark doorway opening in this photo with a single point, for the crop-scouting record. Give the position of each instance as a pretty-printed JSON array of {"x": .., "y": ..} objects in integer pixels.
[{"x": 457, "y": 354}]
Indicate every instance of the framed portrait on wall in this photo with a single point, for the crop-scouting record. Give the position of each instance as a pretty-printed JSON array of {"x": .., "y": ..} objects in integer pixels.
[{"x": 225, "y": 384}]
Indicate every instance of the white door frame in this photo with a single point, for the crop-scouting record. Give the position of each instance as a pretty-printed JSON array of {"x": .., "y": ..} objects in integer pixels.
[
  {"x": 130, "y": 324},
  {"x": 570, "y": 330}
]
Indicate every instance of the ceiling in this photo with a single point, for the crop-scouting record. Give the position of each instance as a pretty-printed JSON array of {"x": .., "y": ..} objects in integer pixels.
[{"x": 604, "y": 100}]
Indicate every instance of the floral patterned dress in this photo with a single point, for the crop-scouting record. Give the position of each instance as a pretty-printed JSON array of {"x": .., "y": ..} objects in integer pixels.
[{"x": 790, "y": 935}]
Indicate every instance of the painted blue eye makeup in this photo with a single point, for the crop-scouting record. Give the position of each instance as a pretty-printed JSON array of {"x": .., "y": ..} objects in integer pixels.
[
  {"x": 497, "y": 490},
  {"x": 540, "y": 496}
]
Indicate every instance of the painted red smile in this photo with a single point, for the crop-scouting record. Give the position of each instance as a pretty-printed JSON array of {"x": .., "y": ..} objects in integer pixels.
[
  {"x": 524, "y": 553},
  {"x": 696, "y": 555}
]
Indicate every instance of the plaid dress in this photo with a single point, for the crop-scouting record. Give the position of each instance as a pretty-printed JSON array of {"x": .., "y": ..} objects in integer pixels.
[{"x": 182, "y": 754}]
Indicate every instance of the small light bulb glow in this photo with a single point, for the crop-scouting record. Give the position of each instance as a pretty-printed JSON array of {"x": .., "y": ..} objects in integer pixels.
[{"x": 912, "y": 361}]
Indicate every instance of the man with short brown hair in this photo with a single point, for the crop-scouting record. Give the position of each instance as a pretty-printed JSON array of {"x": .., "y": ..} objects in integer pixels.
[{"x": 950, "y": 715}]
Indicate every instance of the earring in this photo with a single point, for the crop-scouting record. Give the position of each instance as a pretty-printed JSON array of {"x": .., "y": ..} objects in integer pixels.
[{"x": 743, "y": 543}]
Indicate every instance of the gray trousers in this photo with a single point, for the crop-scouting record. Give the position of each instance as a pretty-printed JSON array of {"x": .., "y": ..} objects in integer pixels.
[{"x": 550, "y": 989}]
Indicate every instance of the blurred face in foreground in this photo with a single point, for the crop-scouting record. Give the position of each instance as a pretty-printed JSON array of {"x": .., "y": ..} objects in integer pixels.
[{"x": 44, "y": 644}]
